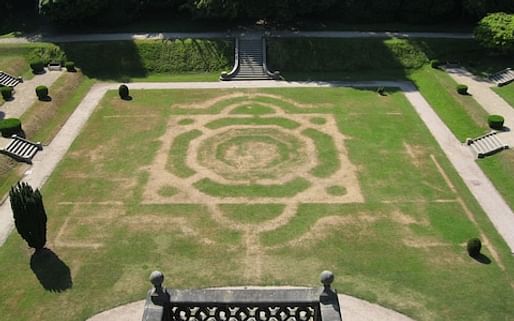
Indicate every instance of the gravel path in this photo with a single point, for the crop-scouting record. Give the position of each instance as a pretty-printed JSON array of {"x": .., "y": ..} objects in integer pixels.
[{"x": 213, "y": 35}]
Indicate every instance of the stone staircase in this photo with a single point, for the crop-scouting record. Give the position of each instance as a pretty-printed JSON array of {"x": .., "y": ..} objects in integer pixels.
[
  {"x": 21, "y": 149},
  {"x": 486, "y": 145},
  {"x": 250, "y": 61},
  {"x": 9, "y": 80},
  {"x": 503, "y": 77}
]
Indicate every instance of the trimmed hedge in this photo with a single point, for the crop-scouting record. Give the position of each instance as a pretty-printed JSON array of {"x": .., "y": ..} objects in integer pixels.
[
  {"x": 474, "y": 246},
  {"x": 42, "y": 92},
  {"x": 495, "y": 121},
  {"x": 435, "y": 63},
  {"x": 462, "y": 89},
  {"x": 123, "y": 91},
  {"x": 37, "y": 66},
  {"x": 10, "y": 126},
  {"x": 70, "y": 66},
  {"x": 6, "y": 93}
]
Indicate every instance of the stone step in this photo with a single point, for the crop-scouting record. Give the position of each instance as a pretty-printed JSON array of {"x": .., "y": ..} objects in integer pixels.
[
  {"x": 8, "y": 80},
  {"x": 21, "y": 149},
  {"x": 503, "y": 77},
  {"x": 485, "y": 145}
]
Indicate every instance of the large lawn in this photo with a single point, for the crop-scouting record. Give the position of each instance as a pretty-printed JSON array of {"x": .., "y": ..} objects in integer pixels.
[{"x": 231, "y": 187}]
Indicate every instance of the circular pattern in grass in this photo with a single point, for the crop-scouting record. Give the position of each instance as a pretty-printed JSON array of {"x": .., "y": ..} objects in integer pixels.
[
  {"x": 336, "y": 190},
  {"x": 167, "y": 191},
  {"x": 318, "y": 120},
  {"x": 253, "y": 153},
  {"x": 186, "y": 121}
]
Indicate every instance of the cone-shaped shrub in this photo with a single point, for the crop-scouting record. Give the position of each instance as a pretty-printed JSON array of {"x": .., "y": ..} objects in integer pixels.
[
  {"x": 473, "y": 247},
  {"x": 123, "y": 91},
  {"x": 42, "y": 92},
  {"x": 29, "y": 214}
]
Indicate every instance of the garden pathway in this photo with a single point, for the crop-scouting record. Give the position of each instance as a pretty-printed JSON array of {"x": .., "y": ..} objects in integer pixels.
[
  {"x": 228, "y": 34},
  {"x": 352, "y": 309}
]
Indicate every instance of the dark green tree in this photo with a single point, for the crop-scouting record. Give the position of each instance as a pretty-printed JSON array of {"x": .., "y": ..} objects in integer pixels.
[
  {"x": 29, "y": 215},
  {"x": 496, "y": 31}
]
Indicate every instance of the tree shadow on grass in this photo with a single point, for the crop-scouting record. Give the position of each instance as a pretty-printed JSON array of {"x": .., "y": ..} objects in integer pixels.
[
  {"x": 481, "y": 258},
  {"x": 53, "y": 274}
]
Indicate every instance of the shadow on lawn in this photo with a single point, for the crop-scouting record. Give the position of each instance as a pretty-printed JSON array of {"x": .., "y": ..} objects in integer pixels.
[
  {"x": 53, "y": 274},
  {"x": 481, "y": 258}
]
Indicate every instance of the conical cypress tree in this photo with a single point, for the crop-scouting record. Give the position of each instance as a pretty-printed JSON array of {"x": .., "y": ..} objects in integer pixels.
[{"x": 29, "y": 214}]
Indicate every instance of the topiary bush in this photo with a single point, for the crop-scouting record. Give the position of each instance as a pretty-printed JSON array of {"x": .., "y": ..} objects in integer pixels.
[
  {"x": 435, "y": 63},
  {"x": 42, "y": 92},
  {"x": 10, "y": 126},
  {"x": 29, "y": 215},
  {"x": 474, "y": 245},
  {"x": 495, "y": 121},
  {"x": 462, "y": 89},
  {"x": 70, "y": 66},
  {"x": 37, "y": 66},
  {"x": 6, "y": 92},
  {"x": 123, "y": 91}
]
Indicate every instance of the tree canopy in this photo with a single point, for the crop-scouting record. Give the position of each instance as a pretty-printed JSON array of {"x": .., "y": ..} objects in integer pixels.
[
  {"x": 496, "y": 31},
  {"x": 351, "y": 11}
]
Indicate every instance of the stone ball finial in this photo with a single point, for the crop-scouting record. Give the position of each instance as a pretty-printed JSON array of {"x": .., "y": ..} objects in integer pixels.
[
  {"x": 156, "y": 277},
  {"x": 326, "y": 278}
]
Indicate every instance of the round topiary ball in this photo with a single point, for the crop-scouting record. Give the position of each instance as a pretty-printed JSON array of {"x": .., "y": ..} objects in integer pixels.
[
  {"x": 6, "y": 93},
  {"x": 42, "y": 92},
  {"x": 123, "y": 91},
  {"x": 495, "y": 121},
  {"x": 37, "y": 66},
  {"x": 462, "y": 89},
  {"x": 474, "y": 246},
  {"x": 10, "y": 126},
  {"x": 70, "y": 66}
]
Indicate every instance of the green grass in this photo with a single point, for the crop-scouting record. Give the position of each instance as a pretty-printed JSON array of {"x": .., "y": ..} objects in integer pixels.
[
  {"x": 466, "y": 118},
  {"x": 461, "y": 113},
  {"x": 177, "y": 161},
  {"x": 288, "y": 189},
  {"x": 277, "y": 121},
  {"x": 253, "y": 110},
  {"x": 507, "y": 93},
  {"x": 401, "y": 247},
  {"x": 327, "y": 153},
  {"x": 336, "y": 190},
  {"x": 252, "y": 213}
]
